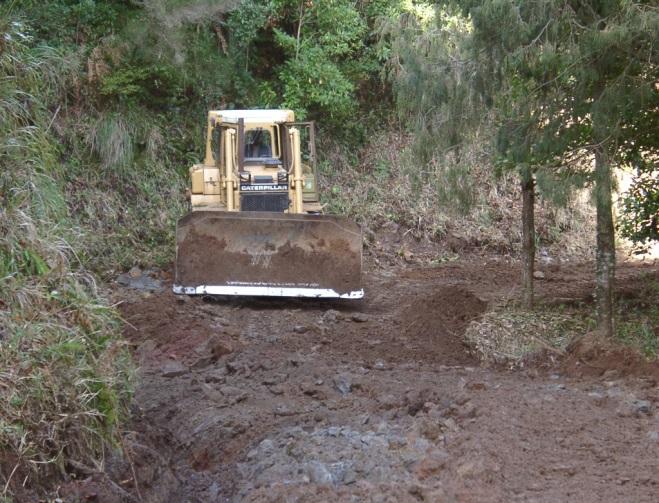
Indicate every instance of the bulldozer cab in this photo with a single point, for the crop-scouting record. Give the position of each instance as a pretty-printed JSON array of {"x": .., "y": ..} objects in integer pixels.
[{"x": 263, "y": 148}]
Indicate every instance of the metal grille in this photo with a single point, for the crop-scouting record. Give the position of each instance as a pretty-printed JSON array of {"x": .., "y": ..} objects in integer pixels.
[{"x": 264, "y": 202}]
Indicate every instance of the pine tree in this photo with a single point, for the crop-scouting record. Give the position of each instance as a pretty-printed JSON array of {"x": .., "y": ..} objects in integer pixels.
[{"x": 582, "y": 78}]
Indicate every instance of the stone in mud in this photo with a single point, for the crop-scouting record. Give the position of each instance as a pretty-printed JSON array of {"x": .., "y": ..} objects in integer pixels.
[
  {"x": 359, "y": 317},
  {"x": 148, "y": 346},
  {"x": 284, "y": 411},
  {"x": 139, "y": 280},
  {"x": 642, "y": 407},
  {"x": 331, "y": 316},
  {"x": 343, "y": 384},
  {"x": 319, "y": 473},
  {"x": 300, "y": 329},
  {"x": 277, "y": 389},
  {"x": 216, "y": 375},
  {"x": 173, "y": 368},
  {"x": 233, "y": 395},
  {"x": 380, "y": 365}
]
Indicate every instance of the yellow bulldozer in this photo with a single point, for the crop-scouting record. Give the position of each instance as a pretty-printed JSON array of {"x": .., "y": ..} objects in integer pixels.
[{"x": 256, "y": 226}]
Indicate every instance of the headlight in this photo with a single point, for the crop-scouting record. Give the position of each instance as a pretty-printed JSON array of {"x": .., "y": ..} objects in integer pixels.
[
  {"x": 308, "y": 184},
  {"x": 282, "y": 177},
  {"x": 245, "y": 177}
]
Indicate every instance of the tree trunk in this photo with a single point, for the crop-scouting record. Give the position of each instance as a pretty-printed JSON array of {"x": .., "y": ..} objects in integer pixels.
[
  {"x": 606, "y": 252},
  {"x": 528, "y": 237}
]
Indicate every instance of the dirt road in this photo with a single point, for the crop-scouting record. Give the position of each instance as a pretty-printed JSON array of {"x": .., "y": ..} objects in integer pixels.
[{"x": 273, "y": 400}]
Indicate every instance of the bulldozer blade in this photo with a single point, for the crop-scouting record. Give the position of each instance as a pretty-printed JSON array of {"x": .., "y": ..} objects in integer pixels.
[{"x": 269, "y": 254}]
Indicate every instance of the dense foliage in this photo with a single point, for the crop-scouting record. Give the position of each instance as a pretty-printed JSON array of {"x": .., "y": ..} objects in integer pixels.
[
  {"x": 569, "y": 88},
  {"x": 102, "y": 106}
]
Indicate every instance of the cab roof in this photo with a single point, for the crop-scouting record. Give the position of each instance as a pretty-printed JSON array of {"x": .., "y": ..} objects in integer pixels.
[{"x": 259, "y": 115}]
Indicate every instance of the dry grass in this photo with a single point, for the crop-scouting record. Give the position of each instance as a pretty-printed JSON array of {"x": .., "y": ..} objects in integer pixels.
[
  {"x": 510, "y": 336},
  {"x": 448, "y": 199}
]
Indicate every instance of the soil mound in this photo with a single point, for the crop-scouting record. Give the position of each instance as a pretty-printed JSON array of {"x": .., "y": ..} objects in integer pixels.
[
  {"x": 594, "y": 355},
  {"x": 441, "y": 318}
]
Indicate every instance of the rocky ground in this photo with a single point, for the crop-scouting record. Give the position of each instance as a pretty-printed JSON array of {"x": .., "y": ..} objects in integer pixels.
[{"x": 289, "y": 400}]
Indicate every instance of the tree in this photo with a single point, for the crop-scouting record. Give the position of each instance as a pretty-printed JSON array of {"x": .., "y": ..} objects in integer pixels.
[
  {"x": 309, "y": 56},
  {"x": 590, "y": 68},
  {"x": 639, "y": 220},
  {"x": 452, "y": 79}
]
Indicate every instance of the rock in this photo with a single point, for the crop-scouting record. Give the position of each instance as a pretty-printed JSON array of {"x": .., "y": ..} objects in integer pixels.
[
  {"x": 202, "y": 363},
  {"x": 215, "y": 376},
  {"x": 343, "y": 384},
  {"x": 333, "y": 431},
  {"x": 538, "y": 275},
  {"x": 349, "y": 477},
  {"x": 396, "y": 442},
  {"x": 359, "y": 317},
  {"x": 123, "y": 280},
  {"x": 310, "y": 389},
  {"x": 148, "y": 346},
  {"x": 318, "y": 473},
  {"x": 331, "y": 316},
  {"x": 300, "y": 329},
  {"x": 653, "y": 436},
  {"x": 467, "y": 411},
  {"x": 219, "y": 348},
  {"x": 476, "y": 386},
  {"x": 380, "y": 365},
  {"x": 450, "y": 424},
  {"x": 173, "y": 368},
  {"x": 233, "y": 367},
  {"x": 214, "y": 395},
  {"x": 233, "y": 395},
  {"x": 284, "y": 411},
  {"x": 642, "y": 407},
  {"x": 296, "y": 360},
  {"x": 430, "y": 429},
  {"x": 139, "y": 281}
]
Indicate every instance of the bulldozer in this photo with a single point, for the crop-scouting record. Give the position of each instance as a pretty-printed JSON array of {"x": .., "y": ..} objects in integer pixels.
[{"x": 256, "y": 225}]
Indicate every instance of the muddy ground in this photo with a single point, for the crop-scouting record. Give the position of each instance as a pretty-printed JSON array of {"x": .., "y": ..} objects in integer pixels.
[{"x": 288, "y": 400}]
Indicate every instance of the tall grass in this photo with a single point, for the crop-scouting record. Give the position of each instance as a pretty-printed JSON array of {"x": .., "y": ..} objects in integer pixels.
[{"x": 64, "y": 375}]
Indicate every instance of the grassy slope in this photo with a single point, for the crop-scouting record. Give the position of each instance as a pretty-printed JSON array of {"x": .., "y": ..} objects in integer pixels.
[{"x": 82, "y": 194}]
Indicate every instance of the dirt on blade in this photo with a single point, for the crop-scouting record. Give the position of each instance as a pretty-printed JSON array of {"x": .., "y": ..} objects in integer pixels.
[
  {"x": 265, "y": 249},
  {"x": 290, "y": 400}
]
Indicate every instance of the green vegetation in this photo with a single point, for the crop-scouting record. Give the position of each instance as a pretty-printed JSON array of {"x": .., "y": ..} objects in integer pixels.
[
  {"x": 64, "y": 378},
  {"x": 569, "y": 91},
  {"x": 638, "y": 317},
  {"x": 431, "y": 115}
]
